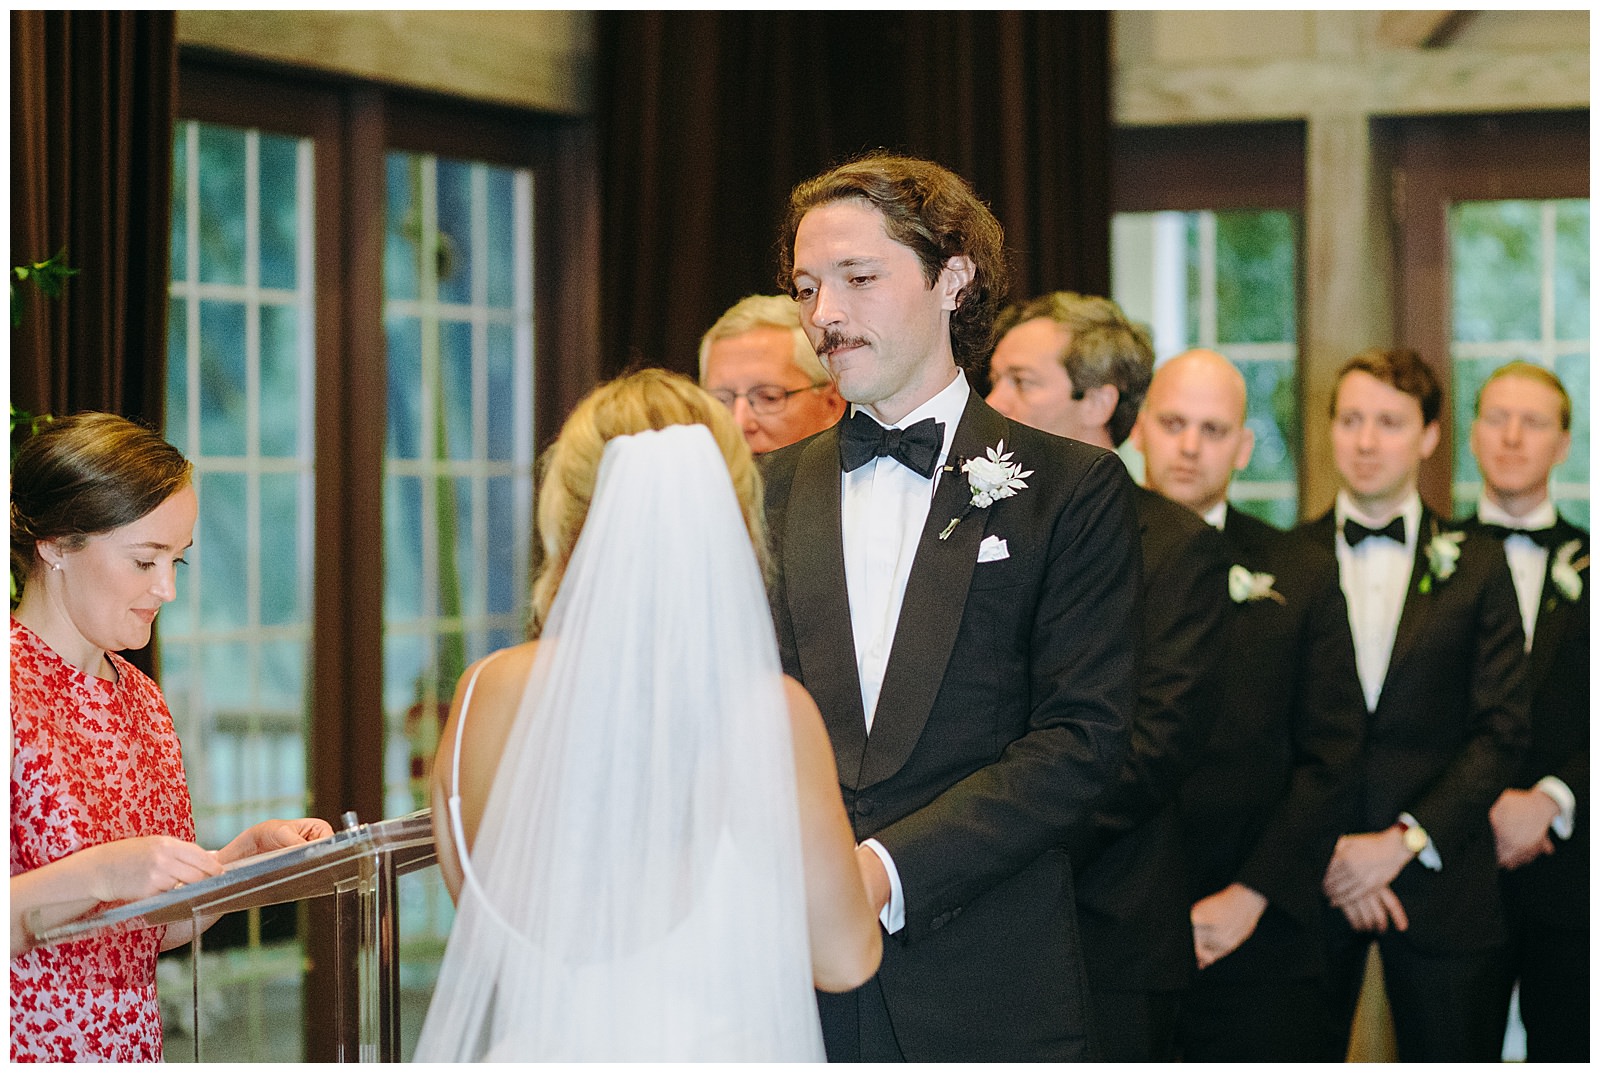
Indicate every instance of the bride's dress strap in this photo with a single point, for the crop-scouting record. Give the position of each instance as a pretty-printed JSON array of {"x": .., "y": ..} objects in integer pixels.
[{"x": 454, "y": 800}]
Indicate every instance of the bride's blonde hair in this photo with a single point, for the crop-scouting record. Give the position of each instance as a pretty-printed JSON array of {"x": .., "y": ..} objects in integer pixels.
[{"x": 648, "y": 399}]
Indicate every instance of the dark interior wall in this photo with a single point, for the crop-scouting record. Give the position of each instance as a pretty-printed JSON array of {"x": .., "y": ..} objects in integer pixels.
[{"x": 707, "y": 119}]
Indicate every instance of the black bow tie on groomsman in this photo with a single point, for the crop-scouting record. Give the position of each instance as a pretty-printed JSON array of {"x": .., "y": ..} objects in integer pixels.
[
  {"x": 861, "y": 439},
  {"x": 1545, "y": 538},
  {"x": 1355, "y": 532}
]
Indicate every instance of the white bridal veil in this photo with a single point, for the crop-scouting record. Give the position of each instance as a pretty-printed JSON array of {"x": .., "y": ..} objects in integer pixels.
[{"x": 635, "y": 890}]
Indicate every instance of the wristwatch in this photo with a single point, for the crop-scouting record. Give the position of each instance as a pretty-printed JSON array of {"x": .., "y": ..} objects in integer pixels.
[{"x": 1412, "y": 835}]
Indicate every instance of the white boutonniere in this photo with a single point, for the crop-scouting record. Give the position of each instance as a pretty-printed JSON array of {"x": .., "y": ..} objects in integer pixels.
[
  {"x": 1443, "y": 551},
  {"x": 991, "y": 478},
  {"x": 1565, "y": 573},
  {"x": 1246, "y": 587}
]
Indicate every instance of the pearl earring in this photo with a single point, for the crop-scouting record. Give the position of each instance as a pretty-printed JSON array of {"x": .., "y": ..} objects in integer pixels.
[{"x": 55, "y": 566}]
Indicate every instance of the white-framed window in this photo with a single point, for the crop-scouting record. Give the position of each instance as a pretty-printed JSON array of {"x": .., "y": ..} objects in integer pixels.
[{"x": 1227, "y": 281}]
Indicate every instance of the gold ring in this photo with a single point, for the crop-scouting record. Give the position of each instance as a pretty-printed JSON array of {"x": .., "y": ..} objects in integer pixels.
[{"x": 176, "y": 884}]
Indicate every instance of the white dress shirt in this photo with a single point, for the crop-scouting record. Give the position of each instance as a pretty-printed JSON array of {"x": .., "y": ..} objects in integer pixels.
[
  {"x": 1374, "y": 576},
  {"x": 1217, "y": 516},
  {"x": 884, "y": 507},
  {"x": 1528, "y": 562}
]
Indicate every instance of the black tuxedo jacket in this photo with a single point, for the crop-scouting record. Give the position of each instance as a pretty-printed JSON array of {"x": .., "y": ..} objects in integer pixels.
[
  {"x": 1003, "y": 715},
  {"x": 1132, "y": 902},
  {"x": 1554, "y": 890},
  {"x": 1259, "y": 807},
  {"x": 1448, "y": 734}
]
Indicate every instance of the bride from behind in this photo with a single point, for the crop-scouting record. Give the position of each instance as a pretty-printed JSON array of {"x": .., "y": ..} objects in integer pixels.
[{"x": 638, "y": 813}]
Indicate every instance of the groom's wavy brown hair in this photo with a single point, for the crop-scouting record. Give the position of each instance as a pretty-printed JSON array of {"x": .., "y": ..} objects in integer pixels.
[
  {"x": 931, "y": 211},
  {"x": 640, "y": 401}
]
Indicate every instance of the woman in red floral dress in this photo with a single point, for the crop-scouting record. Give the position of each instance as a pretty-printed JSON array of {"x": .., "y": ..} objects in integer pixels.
[{"x": 102, "y": 511}]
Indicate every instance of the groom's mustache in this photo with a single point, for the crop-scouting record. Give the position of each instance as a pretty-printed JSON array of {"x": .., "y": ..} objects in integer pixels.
[{"x": 834, "y": 340}]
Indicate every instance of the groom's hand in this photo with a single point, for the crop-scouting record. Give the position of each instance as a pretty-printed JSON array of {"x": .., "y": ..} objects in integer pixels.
[{"x": 873, "y": 877}]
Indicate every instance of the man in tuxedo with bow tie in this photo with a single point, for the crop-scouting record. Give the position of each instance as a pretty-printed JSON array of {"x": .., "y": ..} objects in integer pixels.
[
  {"x": 958, "y": 593},
  {"x": 1438, "y": 656},
  {"x": 1074, "y": 365},
  {"x": 1255, "y": 812},
  {"x": 1520, "y": 432}
]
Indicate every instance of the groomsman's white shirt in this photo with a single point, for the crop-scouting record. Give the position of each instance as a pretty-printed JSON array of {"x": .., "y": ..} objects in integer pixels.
[
  {"x": 1375, "y": 575},
  {"x": 1528, "y": 562},
  {"x": 884, "y": 508}
]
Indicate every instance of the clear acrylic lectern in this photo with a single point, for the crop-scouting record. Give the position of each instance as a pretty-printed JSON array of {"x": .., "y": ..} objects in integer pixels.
[{"x": 359, "y": 866}]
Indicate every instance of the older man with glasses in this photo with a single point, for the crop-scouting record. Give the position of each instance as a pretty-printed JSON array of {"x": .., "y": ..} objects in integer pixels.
[{"x": 757, "y": 361}]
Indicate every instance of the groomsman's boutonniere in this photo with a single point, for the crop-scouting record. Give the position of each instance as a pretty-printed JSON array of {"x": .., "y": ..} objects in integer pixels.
[
  {"x": 1443, "y": 551},
  {"x": 1246, "y": 587},
  {"x": 992, "y": 478},
  {"x": 1564, "y": 572}
]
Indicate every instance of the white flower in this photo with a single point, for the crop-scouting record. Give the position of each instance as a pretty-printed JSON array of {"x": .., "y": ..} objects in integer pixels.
[
  {"x": 1244, "y": 586},
  {"x": 1564, "y": 572},
  {"x": 992, "y": 478},
  {"x": 1443, "y": 551}
]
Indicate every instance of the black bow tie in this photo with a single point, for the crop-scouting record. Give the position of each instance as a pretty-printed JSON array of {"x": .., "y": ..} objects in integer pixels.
[
  {"x": 1545, "y": 538},
  {"x": 1355, "y": 532},
  {"x": 861, "y": 439}
]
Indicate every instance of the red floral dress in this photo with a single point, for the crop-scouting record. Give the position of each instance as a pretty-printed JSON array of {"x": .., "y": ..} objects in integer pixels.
[{"x": 91, "y": 761}]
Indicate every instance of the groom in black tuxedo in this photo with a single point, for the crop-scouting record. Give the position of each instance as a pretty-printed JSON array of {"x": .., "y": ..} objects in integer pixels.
[
  {"x": 959, "y": 594},
  {"x": 1439, "y": 659},
  {"x": 1521, "y": 431}
]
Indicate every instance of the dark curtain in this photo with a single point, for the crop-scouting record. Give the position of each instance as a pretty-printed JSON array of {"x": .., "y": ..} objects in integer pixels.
[
  {"x": 92, "y": 102},
  {"x": 709, "y": 118}
]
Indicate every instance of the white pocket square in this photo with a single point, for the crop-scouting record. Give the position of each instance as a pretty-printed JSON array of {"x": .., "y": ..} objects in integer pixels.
[{"x": 992, "y": 550}]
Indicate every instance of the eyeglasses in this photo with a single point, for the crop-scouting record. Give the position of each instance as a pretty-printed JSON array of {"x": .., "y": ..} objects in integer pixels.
[{"x": 763, "y": 398}]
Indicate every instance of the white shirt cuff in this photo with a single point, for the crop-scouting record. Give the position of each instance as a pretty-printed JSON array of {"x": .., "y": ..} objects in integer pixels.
[
  {"x": 1562, "y": 795},
  {"x": 1429, "y": 857},
  {"x": 893, "y": 916}
]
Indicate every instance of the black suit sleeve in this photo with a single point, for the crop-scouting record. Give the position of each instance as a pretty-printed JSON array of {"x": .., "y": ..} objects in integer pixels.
[
  {"x": 1184, "y": 602},
  {"x": 1083, "y": 651}
]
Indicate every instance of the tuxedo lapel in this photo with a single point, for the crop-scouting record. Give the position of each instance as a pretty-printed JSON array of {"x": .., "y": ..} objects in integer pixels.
[
  {"x": 935, "y": 598},
  {"x": 1415, "y": 611},
  {"x": 1555, "y": 611},
  {"x": 819, "y": 606}
]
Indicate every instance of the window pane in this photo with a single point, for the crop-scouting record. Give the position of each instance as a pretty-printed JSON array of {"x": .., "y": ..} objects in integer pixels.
[
  {"x": 1255, "y": 277},
  {"x": 283, "y": 573},
  {"x": 402, "y": 549},
  {"x": 224, "y": 375},
  {"x": 223, "y": 181},
  {"x": 404, "y": 336},
  {"x": 455, "y": 231},
  {"x": 1274, "y": 416},
  {"x": 402, "y": 237},
  {"x": 280, "y": 211},
  {"x": 1496, "y": 270},
  {"x": 221, "y": 548},
  {"x": 502, "y": 421},
  {"x": 179, "y": 244},
  {"x": 281, "y": 364},
  {"x": 504, "y": 570},
  {"x": 177, "y": 415},
  {"x": 1572, "y": 270},
  {"x": 500, "y": 210},
  {"x": 455, "y": 369}
]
